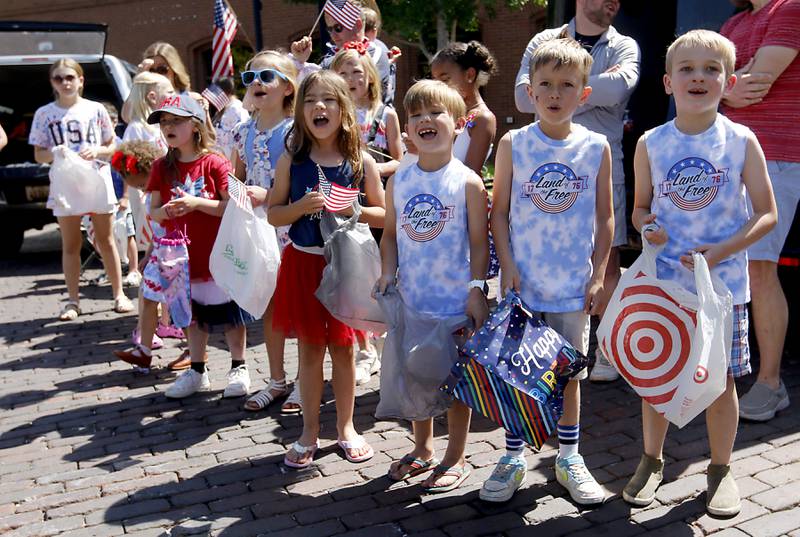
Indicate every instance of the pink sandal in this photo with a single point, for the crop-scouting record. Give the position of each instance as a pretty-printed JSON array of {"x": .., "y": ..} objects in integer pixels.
[
  {"x": 358, "y": 443},
  {"x": 301, "y": 450}
]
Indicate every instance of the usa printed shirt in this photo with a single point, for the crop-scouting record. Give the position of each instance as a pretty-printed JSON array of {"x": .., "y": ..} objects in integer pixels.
[
  {"x": 432, "y": 238},
  {"x": 699, "y": 197},
  {"x": 552, "y": 214},
  {"x": 84, "y": 124}
]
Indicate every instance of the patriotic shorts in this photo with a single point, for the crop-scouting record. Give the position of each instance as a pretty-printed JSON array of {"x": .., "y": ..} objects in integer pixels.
[{"x": 739, "y": 365}]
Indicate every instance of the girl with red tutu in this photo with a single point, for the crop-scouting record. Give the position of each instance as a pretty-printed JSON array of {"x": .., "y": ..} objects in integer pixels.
[{"x": 324, "y": 143}]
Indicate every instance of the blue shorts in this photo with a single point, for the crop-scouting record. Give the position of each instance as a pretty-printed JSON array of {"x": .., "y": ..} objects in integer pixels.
[{"x": 740, "y": 346}]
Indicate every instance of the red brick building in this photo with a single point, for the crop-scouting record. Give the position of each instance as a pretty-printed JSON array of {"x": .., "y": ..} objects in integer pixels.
[{"x": 134, "y": 24}]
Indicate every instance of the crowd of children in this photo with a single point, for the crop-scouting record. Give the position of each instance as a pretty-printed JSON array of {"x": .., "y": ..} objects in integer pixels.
[{"x": 425, "y": 201}]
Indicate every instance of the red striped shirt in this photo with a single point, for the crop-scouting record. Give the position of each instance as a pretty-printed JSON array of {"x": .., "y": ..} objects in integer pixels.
[{"x": 776, "y": 119}]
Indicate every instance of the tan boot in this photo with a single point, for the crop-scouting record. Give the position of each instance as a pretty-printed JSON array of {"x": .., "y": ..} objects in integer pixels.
[
  {"x": 641, "y": 489},
  {"x": 722, "y": 498}
]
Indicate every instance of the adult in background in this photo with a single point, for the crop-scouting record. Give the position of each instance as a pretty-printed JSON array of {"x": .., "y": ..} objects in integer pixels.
[
  {"x": 301, "y": 50},
  {"x": 765, "y": 98},
  {"x": 614, "y": 75}
]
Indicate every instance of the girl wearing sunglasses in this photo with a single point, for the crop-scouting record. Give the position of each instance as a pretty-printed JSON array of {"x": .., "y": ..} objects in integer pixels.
[
  {"x": 270, "y": 79},
  {"x": 84, "y": 127}
]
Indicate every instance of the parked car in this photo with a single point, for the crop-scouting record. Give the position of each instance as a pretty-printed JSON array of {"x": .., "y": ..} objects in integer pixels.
[{"x": 27, "y": 49}]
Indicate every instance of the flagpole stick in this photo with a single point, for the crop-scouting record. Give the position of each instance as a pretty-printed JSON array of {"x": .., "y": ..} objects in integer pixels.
[
  {"x": 241, "y": 26},
  {"x": 314, "y": 27}
]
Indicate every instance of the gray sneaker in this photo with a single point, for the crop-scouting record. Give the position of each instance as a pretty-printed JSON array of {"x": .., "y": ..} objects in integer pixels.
[
  {"x": 762, "y": 402},
  {"x": 722, "y": 498}
]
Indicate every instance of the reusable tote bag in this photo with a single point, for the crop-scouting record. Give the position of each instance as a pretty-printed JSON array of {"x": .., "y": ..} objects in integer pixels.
[
  {"x": 418, "y": 355},
  {"x": 672, "y": 346},
  {"x": 245, "y": 257},
  {"x": 79, "y": 186},
  {"x": 353, "y": 267},
  {"x": 514, "y": 370}
]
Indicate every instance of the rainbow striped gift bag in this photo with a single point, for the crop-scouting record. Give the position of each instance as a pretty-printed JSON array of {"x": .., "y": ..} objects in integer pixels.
[{"x": 514, "y": 370}]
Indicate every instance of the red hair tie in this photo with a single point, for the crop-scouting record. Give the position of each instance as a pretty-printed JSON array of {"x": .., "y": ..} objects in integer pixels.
[{"x": 358, "y": 46}]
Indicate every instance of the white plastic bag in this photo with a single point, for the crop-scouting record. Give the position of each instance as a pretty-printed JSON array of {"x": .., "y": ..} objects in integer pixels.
[
  {"x": 79, "y": 186},
  {"x": 119, "y": 229},
  {"x": 354, "y": 265},
  {"x": 245, "y": 258},
  {"x": 672, "y": 346}
]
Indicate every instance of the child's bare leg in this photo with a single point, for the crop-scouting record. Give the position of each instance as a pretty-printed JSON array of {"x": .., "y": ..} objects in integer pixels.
[
  {"x": 458, "y": 418},
  {"x": 311, "y": 384},
  {"x": 274, "y": 341},
  {"x": 654, "y": 431},
  {"x": 423, "y": 448},
  {"x": 344, "y": 386},
  {"x": 236, "y": 338},
  {"x": 198, "y": 340},
  {"x": 148, "y": 314},
  {"x": 722, "y": 420},
  {"x": 104, "y": 239},
  {"x": 165, "y": 318},
  {"x": 572, "y": 404},
  {"x": 133, "y": 255},
  {"x": 71, "y": 238}
]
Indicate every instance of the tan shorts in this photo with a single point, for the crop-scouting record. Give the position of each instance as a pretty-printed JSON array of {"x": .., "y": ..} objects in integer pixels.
[{"x": 574, "y": 327}]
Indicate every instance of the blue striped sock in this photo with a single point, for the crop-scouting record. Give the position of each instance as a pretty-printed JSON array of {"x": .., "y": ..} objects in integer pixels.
[
  {"x": 514, "y": 446},
  {"x": 568, "y": 436}
]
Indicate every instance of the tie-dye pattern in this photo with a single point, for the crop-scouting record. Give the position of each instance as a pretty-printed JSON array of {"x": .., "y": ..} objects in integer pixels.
[
  {"x": 432, "y": 238},
  {"x": 699, "y": 198},
  {"x": 552, "y": 214}
]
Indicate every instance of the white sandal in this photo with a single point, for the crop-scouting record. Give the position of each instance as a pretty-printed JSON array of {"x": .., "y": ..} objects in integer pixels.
[
  {"x": 264, "y": 398},
  {"x": 69, "y": 312},
  {"x": 293, "y": 399}
]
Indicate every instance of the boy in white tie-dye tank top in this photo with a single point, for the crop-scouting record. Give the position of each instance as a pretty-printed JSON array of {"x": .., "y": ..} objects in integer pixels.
[
  {"x": 552, "y": 219},
  {"x": 435, "y": 246},
  {"x": 692, "y": 178}
]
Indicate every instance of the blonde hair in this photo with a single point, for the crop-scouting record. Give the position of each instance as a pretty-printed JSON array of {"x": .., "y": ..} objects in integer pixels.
[
  {"x": 68, "y": 63},
  {"x": 144, "y": 83},
  {"x": 181, "y": 80},
  {"x": 371, "y": 18},
  {"x": 426, "y": 93},
  {"x": 708, "y": 40},
  {"x": 285, "y": 65},
  {"x": 562, "y": 52},
  {"x": 373, "y": 78},
  {"x": 299, "y": 139}
]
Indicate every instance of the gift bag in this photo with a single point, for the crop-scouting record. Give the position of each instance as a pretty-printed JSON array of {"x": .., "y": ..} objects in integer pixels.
[
  {"x": 172, "y": 261},
  {"x": 353, "y": 266},
  {"x": 418, "y": 354},
  {"x": 245, "y": 258},
  {"x": 79, "y": 186},
  {"x": 514, "y": 370},
  {"x": 671, "y": 345}
]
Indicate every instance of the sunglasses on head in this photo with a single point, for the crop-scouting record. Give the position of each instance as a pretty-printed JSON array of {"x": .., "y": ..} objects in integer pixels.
[
  {"x": 265, "y": 76},
  {"x": 65, "y": 78},
  {"x": 160, "y": 69},
  {"x": 335, "y": 29}
]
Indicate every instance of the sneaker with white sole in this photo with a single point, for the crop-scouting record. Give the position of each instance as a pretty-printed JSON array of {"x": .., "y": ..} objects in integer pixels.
[
  {"x": 238, "y": 382},
  {"x": 572, "y": 474},
  {"x": 367, "y": 363},
  {"x": 761, "y": 403},
  {"x": 508, "y": 476},
  {"x": 188, "y": 383},
  {"x": 132, "y": 279},
  {"x": 602, "y": 370}
]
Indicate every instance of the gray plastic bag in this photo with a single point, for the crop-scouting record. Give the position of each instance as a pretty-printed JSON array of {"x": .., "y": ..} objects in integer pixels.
[
  {"x": 354, "y": 265},
  {"x": 418, "y": 355}
]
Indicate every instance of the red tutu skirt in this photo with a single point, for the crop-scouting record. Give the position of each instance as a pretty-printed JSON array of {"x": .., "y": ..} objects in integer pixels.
[{"x": 297, "y": 311}]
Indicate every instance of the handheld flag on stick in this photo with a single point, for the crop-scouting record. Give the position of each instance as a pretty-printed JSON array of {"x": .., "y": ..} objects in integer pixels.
[
  {"x": 238, "y": 193},
  {"x": 216, "y": 96},
  {"x": 337, "y": 197},
  {"x": 343, "y": 12}
]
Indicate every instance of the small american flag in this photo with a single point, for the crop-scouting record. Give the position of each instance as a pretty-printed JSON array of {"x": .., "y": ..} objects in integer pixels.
[
  {"x": 337, "y": 197},
  {"x": 225, "y": 26},
  {"x": 343, "y": 12},
  {"x": 238, "y": 193},
  {"x": 216, "y": 96}
]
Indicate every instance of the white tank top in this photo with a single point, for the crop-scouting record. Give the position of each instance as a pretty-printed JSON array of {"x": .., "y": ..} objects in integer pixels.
[
  {"x": 552, "y": 214},
  {"x": 432, "y": 238},
  {"x": 699, "y": 197}
]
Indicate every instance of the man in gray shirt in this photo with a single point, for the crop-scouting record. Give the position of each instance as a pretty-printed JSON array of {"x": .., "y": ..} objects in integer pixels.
[{"x": 614, "y": 75}]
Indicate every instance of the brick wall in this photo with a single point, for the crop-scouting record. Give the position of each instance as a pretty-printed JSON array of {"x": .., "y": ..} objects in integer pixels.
[{"x": 134, "y": 24}]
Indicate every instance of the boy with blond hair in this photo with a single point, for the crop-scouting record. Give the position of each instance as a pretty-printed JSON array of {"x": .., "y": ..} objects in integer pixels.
[
  {"x": 693, "y": 176},
  {"x": 553, "y": 221},
  {"x": 435, "y": 247}
]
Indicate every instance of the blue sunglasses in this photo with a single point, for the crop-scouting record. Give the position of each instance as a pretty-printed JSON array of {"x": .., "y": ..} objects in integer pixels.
[{"x": 265, "y": 76}]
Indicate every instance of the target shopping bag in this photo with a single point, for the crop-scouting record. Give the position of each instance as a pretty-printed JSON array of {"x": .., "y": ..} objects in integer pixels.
[
  {"x": 671, "y": 345},
  {"x": 514, "y": 370}
]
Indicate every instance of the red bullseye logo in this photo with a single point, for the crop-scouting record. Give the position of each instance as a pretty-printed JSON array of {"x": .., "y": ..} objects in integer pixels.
[{"x": 650, "y": 342}]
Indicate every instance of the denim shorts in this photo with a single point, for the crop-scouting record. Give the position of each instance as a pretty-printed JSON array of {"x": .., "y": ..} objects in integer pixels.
[{"x": 785, "y": 177}]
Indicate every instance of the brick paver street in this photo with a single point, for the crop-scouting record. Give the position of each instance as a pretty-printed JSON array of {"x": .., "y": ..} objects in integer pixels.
[{"x": 88, "y": 447}]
